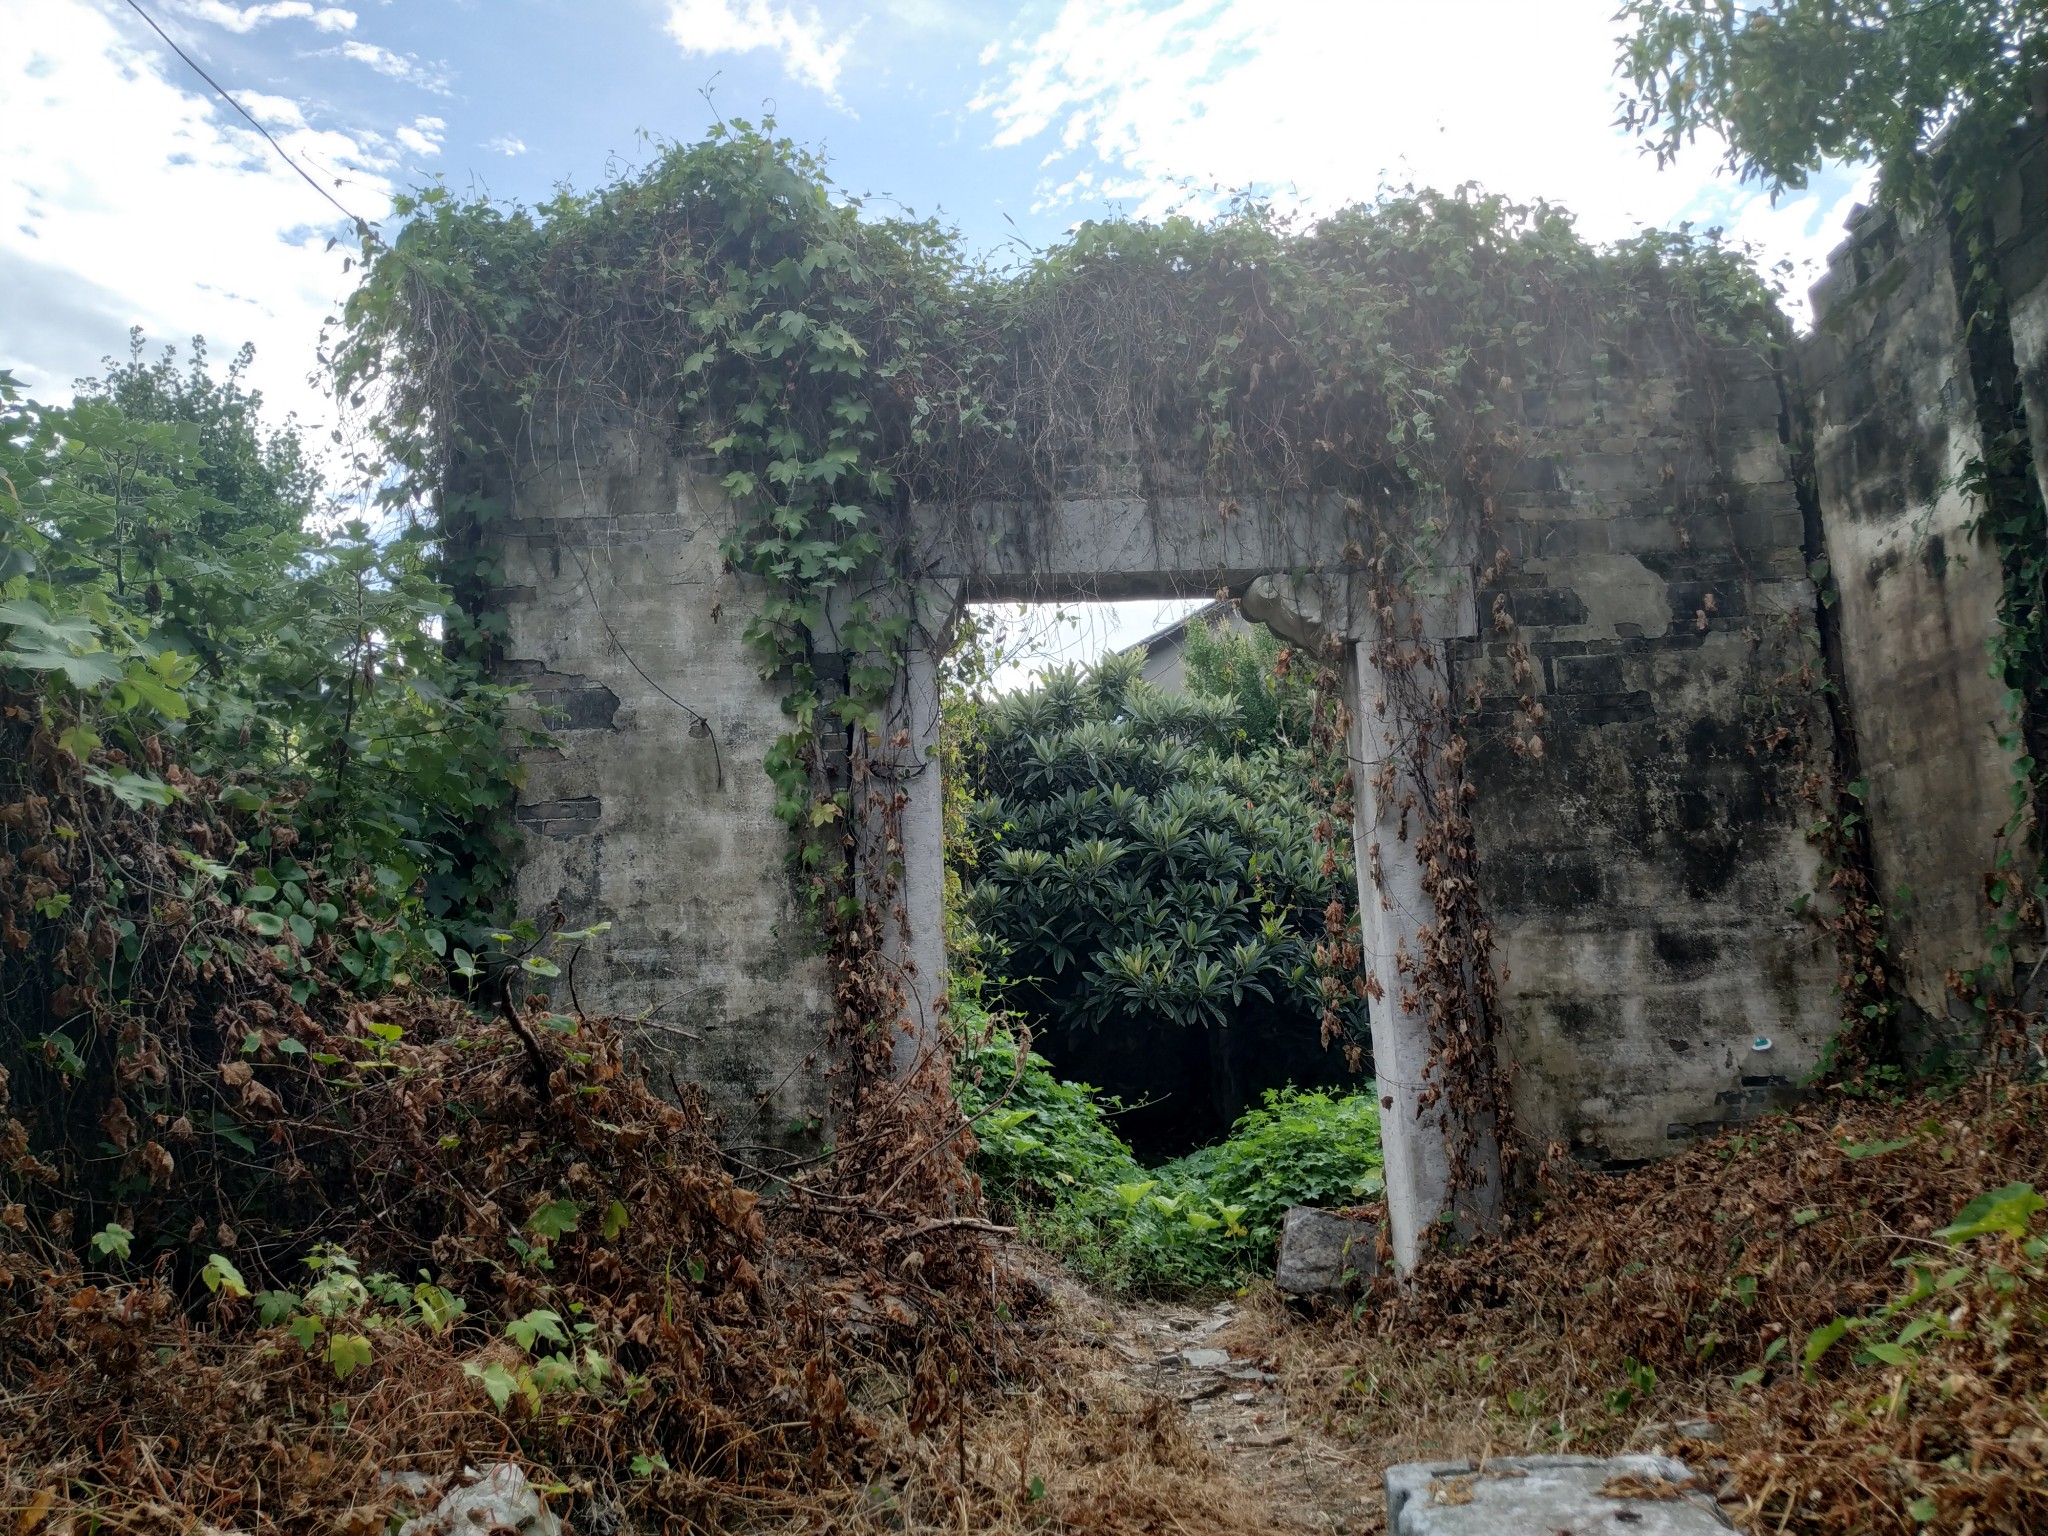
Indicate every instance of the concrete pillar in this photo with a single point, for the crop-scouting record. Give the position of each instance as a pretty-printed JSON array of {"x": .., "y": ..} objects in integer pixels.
[
  {"x": 898, "y": 810},
  {"x": 1393, "y": 906},
  {"x": 1393, "y": 909},
  {"x": 903, "y": 759}
]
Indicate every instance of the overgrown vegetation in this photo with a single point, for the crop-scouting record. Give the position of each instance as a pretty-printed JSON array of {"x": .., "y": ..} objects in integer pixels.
[
  {"x": 1140, "y": 869},
  {"x": 171, "y": 578},
  {"x": 271, "y": 1229},
  {"x": 1051, "y": 1159},
  {"x": 836, "y": 367},
  {"x": 1837, "y": 1316}
]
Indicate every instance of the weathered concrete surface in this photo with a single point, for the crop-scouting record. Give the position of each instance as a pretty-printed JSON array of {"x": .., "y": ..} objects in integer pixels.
[
  {"x": 1641, "y": 872},
  {"x": 1657, "y": 636},
  {"x": 655, "y": 814},
  {"x": 1888, "y": 385},
  {"x": 1549, "y": 1496}
]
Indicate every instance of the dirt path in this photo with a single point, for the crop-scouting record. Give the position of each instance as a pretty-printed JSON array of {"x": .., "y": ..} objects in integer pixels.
[{"x": 1234, "y": 1408}]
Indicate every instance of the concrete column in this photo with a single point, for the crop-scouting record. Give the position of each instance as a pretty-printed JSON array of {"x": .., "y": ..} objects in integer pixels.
[
  {"x": 1393, "y": 909},
  {"x": 898, "y": 806},
  {"x": 905, "y": 758}
]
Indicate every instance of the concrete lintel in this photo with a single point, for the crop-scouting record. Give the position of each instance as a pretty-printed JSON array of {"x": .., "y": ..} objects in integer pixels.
[{"x": 1311, "y": 608}]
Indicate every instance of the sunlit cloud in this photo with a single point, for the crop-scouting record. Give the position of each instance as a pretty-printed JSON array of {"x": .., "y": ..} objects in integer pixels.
[
  {"x": 236, "y": 241},
  {"x": 1319, "y": 103},
  {"x": 505, "y": 144},
  {"x": 424, "y": 136},
  {"x": 706, "y": 27},
  {"x": 397, "y": 66},
  {"x": 246, "y": 18}
]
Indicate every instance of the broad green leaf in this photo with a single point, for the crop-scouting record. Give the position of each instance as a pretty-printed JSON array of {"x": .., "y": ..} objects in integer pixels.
[
  {"x": 554, "y": 1219},
  {"x": 1820, "y": 1341},
  {"x": 2002, "y": 1212},
  {"x": 536, "y": 1325},
  {"x": 498, "y": 1381},
  {"x": 222, "y": 1278},
  {"x": 347, "y": 1353},
  {"x": 1861, "y": 1150}
]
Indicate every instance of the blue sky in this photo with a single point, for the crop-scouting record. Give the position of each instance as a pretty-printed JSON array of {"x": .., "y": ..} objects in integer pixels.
[{"x": 132, "y": 195}]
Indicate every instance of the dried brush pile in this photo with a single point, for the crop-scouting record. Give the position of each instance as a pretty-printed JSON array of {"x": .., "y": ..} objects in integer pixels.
[
  {"x": 1854, "y": 1298},
  {"x": 277, "y": 1256}
]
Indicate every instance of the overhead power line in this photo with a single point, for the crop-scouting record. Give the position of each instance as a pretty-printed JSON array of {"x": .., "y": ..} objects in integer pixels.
[{"x": 221, "y": 91}]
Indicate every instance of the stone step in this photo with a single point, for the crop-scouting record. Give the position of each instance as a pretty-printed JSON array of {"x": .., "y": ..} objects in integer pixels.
[{"x": 1551, "y": 1496}]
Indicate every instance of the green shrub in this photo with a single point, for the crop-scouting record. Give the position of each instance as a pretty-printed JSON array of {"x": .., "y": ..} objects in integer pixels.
[
  {"x": 1050, "y": 1159},
  {"x": 1302, "y": 1148}
]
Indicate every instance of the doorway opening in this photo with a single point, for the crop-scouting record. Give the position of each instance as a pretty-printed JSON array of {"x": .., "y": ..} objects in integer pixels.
[{"x": 1143, "y": 864}]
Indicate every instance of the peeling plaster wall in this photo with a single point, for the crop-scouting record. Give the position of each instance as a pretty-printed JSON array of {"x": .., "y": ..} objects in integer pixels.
[
  {"x": 1892, "y": 408},
  {"x": 613, "y": 577}
]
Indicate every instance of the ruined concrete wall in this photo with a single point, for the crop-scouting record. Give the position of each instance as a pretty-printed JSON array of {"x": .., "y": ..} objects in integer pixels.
[
  {"x": 1889, "y": 396},
  {"x": 2020, "y": 223},
  {"x": 1641, "y": 874},
  {"x": 655, "y": 814}
]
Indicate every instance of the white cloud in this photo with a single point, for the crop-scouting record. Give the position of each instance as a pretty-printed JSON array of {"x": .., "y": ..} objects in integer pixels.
[
  {"x": 505, "y": 144},
  {"x": 246, "y": 18},
  {"x": 272, "y": 111},
  {"x": 398, "y": 66},
  {"x": 740, "y": 26},
  {"x": 424, "y": 136},
  {"x": 1325, "y": 101},
  {"x": 168, "y": 212}
]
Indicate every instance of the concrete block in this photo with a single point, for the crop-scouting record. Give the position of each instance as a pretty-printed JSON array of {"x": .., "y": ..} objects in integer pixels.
[
  {"x": 1321, "y": 1252},
  {"x": 497, "y": 1500},
  {"x": 1551, "y": 1496}
]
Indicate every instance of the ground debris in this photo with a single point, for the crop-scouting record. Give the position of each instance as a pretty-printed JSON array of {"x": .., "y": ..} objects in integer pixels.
[{"x": 1747, "y": 1301}]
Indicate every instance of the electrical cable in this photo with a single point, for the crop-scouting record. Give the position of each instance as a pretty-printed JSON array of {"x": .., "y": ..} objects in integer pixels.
[{"x": 221, "y": 91}]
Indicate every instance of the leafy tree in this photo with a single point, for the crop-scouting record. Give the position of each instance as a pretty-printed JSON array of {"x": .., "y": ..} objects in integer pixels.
[
  {"x": 257, "y": 477},
  {"x": 168, "y": 571},
  {"x": 1789, "y": 84},
  {"x": 1275, "y": 700},
  {"x": 1144, "y": 878}
]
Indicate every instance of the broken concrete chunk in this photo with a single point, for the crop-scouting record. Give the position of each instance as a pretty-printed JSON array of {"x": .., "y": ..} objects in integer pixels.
[
  {"x": 495, "y": 1500},
  {"x": 1585, "y": 1495},
  {"x": 1323, "y": 1253}
]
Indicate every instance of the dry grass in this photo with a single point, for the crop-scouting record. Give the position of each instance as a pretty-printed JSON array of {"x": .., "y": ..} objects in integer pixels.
[{"x": 1639, "y": 1302}]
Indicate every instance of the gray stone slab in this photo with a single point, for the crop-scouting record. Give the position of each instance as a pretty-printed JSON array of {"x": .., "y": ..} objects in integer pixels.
[
  {"x": 1549, "y": 1496},
  {"x": 1322, "y": 1253}
]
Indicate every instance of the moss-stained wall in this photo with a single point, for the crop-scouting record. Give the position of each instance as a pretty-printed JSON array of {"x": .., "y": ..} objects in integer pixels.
[
  {"x": 655, "y": 814},
  {"x": 1642, "y": 873},
  {"x": 1887, "y": 383}
]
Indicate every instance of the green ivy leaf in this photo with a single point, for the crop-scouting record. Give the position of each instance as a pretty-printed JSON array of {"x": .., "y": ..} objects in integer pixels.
[{"x": 554, "y": 1219}]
